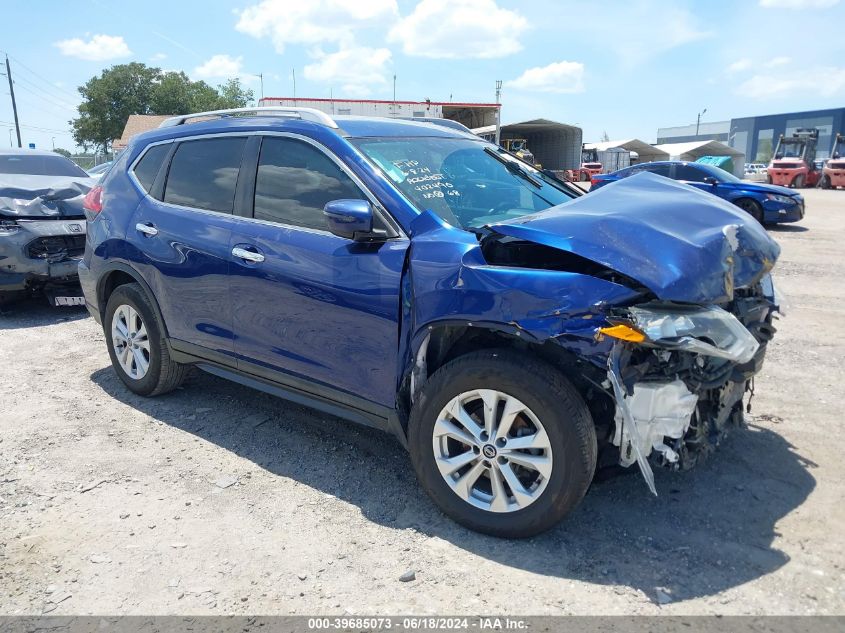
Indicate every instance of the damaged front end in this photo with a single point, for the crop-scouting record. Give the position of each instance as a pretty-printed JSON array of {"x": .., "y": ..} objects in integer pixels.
[
  {"x": 678, "y": 375},
  {"x": 42, "y": 233}
]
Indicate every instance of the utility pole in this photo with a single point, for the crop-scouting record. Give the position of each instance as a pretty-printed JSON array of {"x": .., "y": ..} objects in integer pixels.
[
  {"x": 261, "y": 79},
  {"x": 498, "y": 111},
  {"x": 14, "y": 103},
  {"x": 698, "y": 121},
  {"x": 293, "y": 74},
  {"x": 394, "y": 95}
]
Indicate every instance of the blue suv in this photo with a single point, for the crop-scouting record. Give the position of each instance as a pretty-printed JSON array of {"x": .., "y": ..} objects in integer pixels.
[
  {"x": 768, "y": 204},
  {"x": 514, "y": 334}
]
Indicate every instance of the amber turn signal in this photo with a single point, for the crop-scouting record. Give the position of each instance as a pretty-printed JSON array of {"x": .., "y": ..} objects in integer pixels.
[{"x": 623, "y": 333}]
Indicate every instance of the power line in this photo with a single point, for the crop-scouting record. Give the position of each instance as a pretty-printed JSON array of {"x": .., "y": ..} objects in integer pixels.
[
  {"x": 42, "y": 78},
  {"x": 43, "y": 100},
  {"x": 59, "y": 100},
  {"x": 39, "y": 128}
]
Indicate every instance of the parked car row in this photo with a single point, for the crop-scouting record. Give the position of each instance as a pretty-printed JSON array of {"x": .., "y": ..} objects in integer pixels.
[
  {"x": 515, "y": 334},
  {"x": 768, "y": 204}
]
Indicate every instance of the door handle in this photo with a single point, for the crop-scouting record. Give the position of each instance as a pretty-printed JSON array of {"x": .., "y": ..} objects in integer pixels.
[
  {"x": 250, "y": 256},
  {"x": 147, "y": 229}
]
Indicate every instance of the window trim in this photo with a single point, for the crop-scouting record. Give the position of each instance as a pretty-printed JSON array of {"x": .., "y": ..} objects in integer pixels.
[
  {"x": 250, "y": 160},
  {"x": 131, "y": 169}
]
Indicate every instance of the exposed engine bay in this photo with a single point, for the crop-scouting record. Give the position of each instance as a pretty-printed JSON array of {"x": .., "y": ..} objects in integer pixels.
[{"x": 678, "y": 375}]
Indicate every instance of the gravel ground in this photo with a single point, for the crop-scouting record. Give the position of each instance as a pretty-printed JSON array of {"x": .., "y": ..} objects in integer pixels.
[{"x": 217, "y": 499}]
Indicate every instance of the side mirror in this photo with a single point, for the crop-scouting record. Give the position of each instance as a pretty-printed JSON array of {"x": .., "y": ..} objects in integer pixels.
[
  {"x": 352, "y": 219},
  {"x": 710, "y": 180}
]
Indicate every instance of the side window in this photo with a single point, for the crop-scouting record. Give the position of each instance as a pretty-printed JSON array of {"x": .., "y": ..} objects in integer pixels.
[
  {"x": 660, "y": 170},
  {"x": 689, "y": 173},
  {"x": 203, "y": 174},
  {"x": 295, "y": 181},
  {"x": 147, "y": 168}
]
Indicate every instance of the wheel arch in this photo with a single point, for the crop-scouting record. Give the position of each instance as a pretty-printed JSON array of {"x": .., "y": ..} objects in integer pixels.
[
  {"x": 119, "y": 274},
  {"x": 442, "y": 342}
]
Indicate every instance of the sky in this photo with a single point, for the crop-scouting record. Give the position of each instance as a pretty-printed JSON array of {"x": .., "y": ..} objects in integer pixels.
[{"x": 621, "y": 67}]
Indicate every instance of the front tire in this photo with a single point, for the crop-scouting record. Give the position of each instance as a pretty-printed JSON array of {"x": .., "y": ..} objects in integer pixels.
[
  {"x": 136, "y": 344},
  {"x": 824, "y": 183},
  {"x": 752, "y": 207},
  {"x": 798, "y": 182},
  {"x": 502, "y": 443}
]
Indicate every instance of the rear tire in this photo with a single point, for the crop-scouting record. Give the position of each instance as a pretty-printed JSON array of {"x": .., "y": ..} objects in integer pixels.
[
  {"x": 824, "y": 183},
  {"x": 497, "y": 502},
  {"x": 136, "y": 344},
  {"x": 752, "y": 207},
  {"x": 583, "y": 177}
]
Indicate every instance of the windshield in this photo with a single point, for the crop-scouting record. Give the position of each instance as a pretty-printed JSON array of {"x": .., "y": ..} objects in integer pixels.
[
  {"x": 467, "y": 183},
  {"x": 39, "y": 165},
  {"x": 790, "y": 150}
]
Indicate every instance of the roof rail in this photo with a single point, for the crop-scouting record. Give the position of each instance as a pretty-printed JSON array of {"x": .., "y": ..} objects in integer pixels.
[{"x": 306, "y": 114}]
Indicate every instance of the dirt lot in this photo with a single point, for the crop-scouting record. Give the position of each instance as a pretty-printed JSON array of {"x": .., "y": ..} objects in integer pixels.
[{"x": 218, "y": 499}]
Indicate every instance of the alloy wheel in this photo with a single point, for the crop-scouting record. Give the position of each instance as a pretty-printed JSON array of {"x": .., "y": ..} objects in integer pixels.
[
  {"x": 130, "y": 341},
  {"x": 492, "y": 450}
]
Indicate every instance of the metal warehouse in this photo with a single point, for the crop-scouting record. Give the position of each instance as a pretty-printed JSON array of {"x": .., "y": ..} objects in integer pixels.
[{"x": 757, "y": 136}]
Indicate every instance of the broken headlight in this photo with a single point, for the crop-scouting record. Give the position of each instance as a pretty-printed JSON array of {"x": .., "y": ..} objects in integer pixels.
[{"x": 711, "y": 331}]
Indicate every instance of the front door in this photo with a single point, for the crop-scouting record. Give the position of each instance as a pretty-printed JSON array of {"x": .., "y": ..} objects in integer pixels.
[{"x": 307, "y": 305}]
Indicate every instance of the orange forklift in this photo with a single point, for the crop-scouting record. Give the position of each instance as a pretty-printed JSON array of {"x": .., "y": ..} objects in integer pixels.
[
  {"x": 794, "y": 162},
  {"x": 833, "y": 174}
]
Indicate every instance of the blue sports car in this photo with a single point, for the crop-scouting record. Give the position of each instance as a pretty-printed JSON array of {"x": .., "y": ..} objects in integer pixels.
[{"x": 767, "y": 204}]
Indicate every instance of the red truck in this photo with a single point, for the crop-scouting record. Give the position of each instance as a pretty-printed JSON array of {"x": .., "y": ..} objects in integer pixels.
[
  {"x": 793, "y": 164},
  {"x": 833, "y": 174}
]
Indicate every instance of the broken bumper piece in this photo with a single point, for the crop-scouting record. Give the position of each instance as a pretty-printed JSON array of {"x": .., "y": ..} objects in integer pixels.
[{"x": 678, "y": 375}]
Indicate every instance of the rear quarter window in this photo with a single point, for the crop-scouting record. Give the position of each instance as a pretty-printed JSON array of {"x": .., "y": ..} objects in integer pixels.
[
  {"x": 148, "y": 167},
  {"x": 204, "y": 173}
]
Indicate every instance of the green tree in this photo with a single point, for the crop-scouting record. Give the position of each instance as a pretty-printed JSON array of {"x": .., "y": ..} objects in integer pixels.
[
  {"x": 63, "y": 152},
  {"x": 233, "y": 95},
  {"x": 135, "y": 88},
  {"x": 109, "y": 99}
]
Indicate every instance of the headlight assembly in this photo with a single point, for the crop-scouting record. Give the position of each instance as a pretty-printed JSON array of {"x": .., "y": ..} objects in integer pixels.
[
  {"x": 711, "y": 331},
  {"x": 779, "y": 198}
]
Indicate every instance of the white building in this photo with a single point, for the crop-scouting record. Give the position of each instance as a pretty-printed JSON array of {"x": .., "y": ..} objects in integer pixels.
[{"x": 472, "y": 115}]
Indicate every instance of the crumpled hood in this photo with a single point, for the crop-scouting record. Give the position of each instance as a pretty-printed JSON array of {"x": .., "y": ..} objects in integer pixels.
[
  {"x": 28, "y": 196},
  {"x": 682, "y": 244}
]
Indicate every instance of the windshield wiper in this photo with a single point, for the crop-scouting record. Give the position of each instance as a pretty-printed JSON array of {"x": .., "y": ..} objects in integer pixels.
[{"x": 514, "y": 168}]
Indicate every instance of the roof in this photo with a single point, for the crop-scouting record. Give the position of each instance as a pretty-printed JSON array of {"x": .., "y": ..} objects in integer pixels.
[
  {"x": 456, "y": 104},
  {"x": 351, "y": 126},
  {"x": 699, "y": 148},
  {"x": 14, "y": 151},
  {"x": 137, "y": 123},
  {"x": 534, "y": 125}
]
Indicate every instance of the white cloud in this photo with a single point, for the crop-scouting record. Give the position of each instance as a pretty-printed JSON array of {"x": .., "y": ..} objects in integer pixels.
[
  {"x": 459, "y": 28},
  {"x": 778, "y": 61},
  {"x": 220, "y": 67},
  {"x": 158, "y": 57},
  {"x": 821, "y": 81},
  {"x": 313, "y": 21},
  {"x": 99, "y": 48},
  {"x": 740, "y": 65},
  {"x": 561, "y": 77},
  {"x": 798, "y": 4},
  {"x": 354, "y": 70},
  {"x": 640, "y": 30}
]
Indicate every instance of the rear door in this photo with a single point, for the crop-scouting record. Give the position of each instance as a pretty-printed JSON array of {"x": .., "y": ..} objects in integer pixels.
[
  {"x": 317, "y": 311},
  {"x": 181, "y": 233}
]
